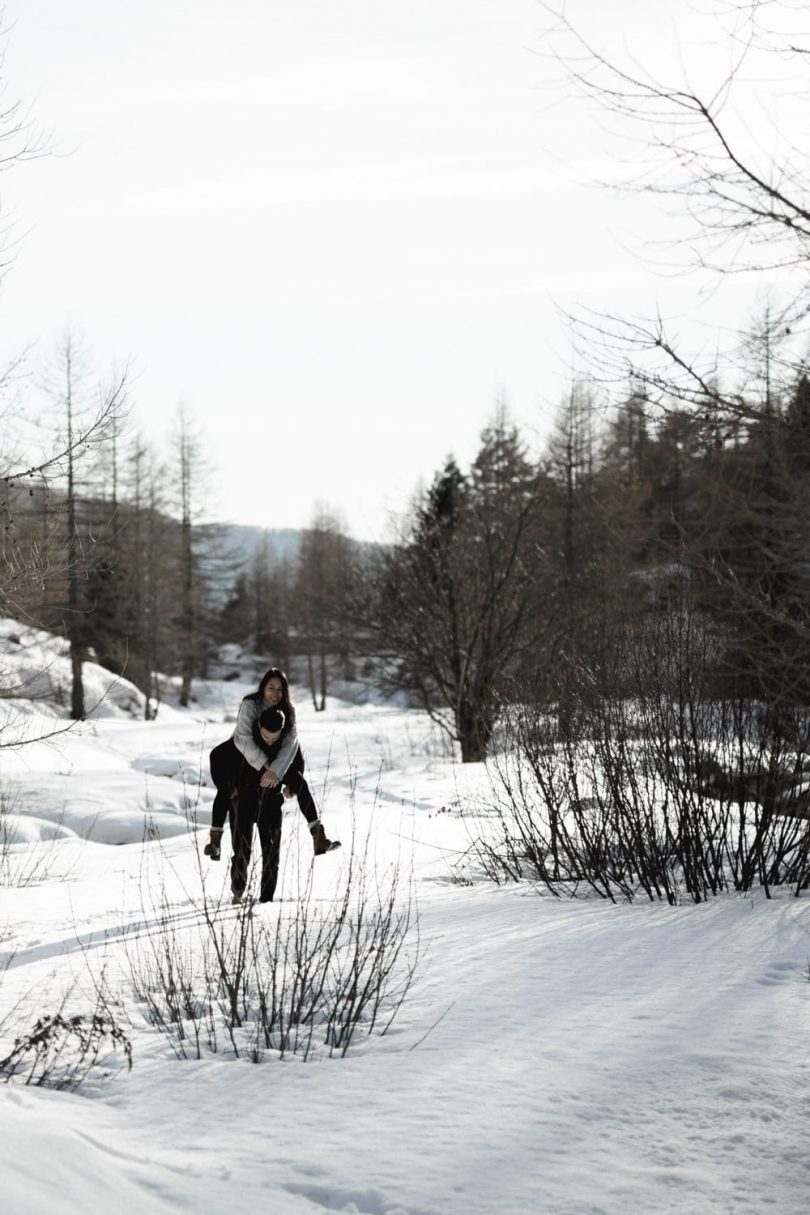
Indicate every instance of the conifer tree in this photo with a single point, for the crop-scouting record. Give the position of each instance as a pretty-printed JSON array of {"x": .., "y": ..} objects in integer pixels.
[{"x": 456, "y": 593}]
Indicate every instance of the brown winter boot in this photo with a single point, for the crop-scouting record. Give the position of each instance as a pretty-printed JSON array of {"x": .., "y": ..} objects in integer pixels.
[
  {"x": 214, "y": 846},
  {"x": 320, "y": 841}
]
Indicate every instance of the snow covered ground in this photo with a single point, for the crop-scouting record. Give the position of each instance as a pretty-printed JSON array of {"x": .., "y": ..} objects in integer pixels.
[{"x": 557, "y": 1058}]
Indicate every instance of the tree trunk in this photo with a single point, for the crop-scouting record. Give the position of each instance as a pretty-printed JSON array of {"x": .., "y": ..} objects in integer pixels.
[
  {"x": 77, "y": 707},
  {"x": 474, "y": 726},
  {"x": 322, "y": 705},
  {"x": 312, "y": 688}
]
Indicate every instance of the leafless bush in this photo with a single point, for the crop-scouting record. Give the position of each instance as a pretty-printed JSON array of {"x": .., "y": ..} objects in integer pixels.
[
  {"x": 170, "y": 979},
  {"x": 666, "y": 789},
  {"x": 61, "y": 1050},
  {"x": 24, "y": 863},
  {"x": 306, "y": 982}
]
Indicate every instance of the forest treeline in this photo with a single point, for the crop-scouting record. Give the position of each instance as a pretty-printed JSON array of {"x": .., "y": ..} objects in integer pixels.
[{"x": 521, "y": 579}]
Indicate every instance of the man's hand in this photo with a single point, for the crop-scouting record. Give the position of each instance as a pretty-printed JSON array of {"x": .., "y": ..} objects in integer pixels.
[{"x": 268, "y": 779}]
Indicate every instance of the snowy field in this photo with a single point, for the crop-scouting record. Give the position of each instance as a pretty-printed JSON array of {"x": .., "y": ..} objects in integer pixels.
[{"x": 550, "y": 1058}]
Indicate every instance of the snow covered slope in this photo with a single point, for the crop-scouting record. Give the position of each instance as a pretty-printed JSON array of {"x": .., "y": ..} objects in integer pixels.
[{"x": 552, "y": 1058}]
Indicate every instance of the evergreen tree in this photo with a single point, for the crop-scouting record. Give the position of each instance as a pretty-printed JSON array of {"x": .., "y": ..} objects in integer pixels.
[{"x": 457, "y": 592}]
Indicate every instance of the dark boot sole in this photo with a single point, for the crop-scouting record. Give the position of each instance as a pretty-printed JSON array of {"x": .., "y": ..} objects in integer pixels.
[{"x": 332, "y": 846}]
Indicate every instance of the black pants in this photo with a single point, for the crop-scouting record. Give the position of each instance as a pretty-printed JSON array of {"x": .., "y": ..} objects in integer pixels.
[
  {"x": 295, "y": 780},
  {"x": 262, "y": 808},
  {"x": 227, "y": 763}
]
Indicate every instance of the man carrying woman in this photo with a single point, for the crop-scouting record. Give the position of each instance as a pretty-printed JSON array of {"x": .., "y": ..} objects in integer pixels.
[{"x": 253, "y": 771}]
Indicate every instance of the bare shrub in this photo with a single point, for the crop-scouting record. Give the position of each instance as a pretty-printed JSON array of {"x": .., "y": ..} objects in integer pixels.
[
  {"x": 664, "y": 789},
  {"x": 25, "y": 863},
  {"x": 304, "y": 983},
  {"x": 169, "y": 978},
  {"x": 61, "y": 1050}
]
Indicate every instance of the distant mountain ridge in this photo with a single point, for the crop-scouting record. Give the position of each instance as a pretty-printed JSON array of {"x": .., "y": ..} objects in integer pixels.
[{"x": 244, "y": 541}]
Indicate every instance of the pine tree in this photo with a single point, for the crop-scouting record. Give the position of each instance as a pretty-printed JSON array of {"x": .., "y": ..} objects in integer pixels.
[{"x": 456, "y": 594}]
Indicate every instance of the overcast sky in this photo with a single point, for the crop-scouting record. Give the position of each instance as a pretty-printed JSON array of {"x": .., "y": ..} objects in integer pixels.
[{"x": 335, "y": 231}]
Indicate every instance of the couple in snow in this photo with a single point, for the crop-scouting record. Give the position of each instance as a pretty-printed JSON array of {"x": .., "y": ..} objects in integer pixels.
[{"x": 259, "y": 766}]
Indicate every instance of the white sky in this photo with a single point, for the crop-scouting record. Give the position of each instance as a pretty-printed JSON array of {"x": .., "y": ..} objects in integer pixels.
[{"x": 335, "y": 231}]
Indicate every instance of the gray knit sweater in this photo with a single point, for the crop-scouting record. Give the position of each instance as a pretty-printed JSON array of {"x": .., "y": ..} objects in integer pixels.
[{"x": 250, "y": 711}]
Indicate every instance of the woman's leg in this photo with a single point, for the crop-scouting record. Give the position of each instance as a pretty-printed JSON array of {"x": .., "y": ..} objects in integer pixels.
[
  {"x": 220, "y": 808},
  {"x": 295, "y": 780},
  {"x": 224, "y": 763}
]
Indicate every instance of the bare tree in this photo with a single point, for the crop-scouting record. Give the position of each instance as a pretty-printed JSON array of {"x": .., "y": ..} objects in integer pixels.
[
  {"x": 738, "y": 210},
  {"x": 323, "y": 591},
  {"x": 48, "y": 551},
  {"x": 187, "y": 457},
  {"x": 199, "y": 556},
  {"x": 89, "y": 412},
  {"x": 146, "y": 576}
]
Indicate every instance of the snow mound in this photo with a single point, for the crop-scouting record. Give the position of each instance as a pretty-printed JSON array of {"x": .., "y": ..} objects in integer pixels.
[{"x": 35, "y": 666}]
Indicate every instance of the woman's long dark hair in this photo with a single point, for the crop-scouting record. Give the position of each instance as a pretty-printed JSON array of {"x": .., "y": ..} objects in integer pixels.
[{"x": 285, "y": 704}]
